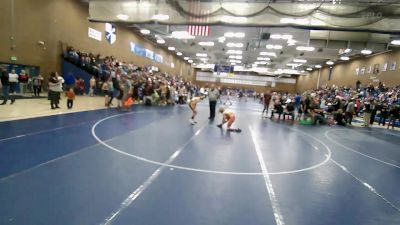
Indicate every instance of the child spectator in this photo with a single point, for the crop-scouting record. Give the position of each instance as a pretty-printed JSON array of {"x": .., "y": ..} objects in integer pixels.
[{"x": 70, "y": 98}]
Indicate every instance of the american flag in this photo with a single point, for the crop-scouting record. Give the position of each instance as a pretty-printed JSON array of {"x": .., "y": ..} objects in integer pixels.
[{"x": 195, "y": 30}]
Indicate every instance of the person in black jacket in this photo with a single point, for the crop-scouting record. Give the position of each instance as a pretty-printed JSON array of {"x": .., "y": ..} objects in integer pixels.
[
  {"x": 6, "y": 85},
  {"x": 394, "y": 114}
]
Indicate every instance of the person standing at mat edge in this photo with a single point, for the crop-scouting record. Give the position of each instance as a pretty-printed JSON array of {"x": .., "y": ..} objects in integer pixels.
[{"x": 213, "y": 96}]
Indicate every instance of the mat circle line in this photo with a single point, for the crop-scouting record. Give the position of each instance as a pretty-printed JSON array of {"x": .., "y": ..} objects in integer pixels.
[
  {"x": 355, "y": 151},
  {"x": 93, "y": 130}
]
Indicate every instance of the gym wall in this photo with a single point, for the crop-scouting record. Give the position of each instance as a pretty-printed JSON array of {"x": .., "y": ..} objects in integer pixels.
[
  {"x": 345, "y": 74},
  {"x": 53, "y": 21}
]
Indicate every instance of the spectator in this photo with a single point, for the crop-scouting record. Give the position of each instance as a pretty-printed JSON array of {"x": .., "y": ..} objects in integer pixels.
[
  {"x": 350, "y": 111},
  {"x": 70, "y": 98},
  {"x": 69, "y": 81},
  {"x": 92, "y": 84},
  {"x": 13, "y": 81},
  {"x": 5, "y": 85},
  {"x": 55, "y": 88},
  {"x": 37, "y": 85}
]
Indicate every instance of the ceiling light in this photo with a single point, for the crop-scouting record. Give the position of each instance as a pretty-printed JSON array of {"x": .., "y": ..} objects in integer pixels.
[
  {"x": 318, "y": 66},
  {"x": 232, "y": 57},
  {"x": 171, "y": 48},
  {"x": 293, "y": 64},
  {"x": 234, "y": 35},
  {"x": 221, "y": 39},
  {"x": 160, "y": 41},
  {"x": 395, "y": 42},
  {"x": 233, "y": 63},
  {"x": 206, "y": 43},
  {"x": 273, "y": 54},
  {"x": 145, "y": 31},
  {"x": 291, "y": 42},
  {"x": 122, "y": 16},
  {"x": 239, "y": 57},
  {"x": 305, "y": 48},
  {"x": 309, "y": 69},
  {"x": 186, "y": 58},
  {"x": 229, "y": 34},
  {"x": 263, "y": 58},
  {"x": 345, "y": 58},
  {"x": 276, "y": 36},
  {"x": 238, "y": 61},
  {"x": 240, "y": 35},
  {"x": 236, "y": 52},
  {"x": 190, "y": 61},
  {"x": 287, "y": 37},
  {"x": 274, "y": 46},
  {"x": 366, "y": 52},
  {"x": 234, "y": 45},
  {"x": 347, "y": 50},
  {"x": 232, "y": 60},
  {"x": 179, "y": 53},
  {"x": 302, "y": 71},
  {"x": 182, "y": 35},
  {"x": 233, "y": 19},
  {"x": 330, "y": 62},
  {"x": 300, "y": 60},
  {"x": 160, "y": 17},
  {"x": 201, "y": 54}
]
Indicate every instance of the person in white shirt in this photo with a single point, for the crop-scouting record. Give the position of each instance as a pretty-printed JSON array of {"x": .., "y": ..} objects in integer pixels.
[
  {"x": 92, "y": 83},
  {"x": 13, "y": 79}
]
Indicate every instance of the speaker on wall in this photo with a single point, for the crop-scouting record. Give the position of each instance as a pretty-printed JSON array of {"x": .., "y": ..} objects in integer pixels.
[{"x": 265, "y": 36}]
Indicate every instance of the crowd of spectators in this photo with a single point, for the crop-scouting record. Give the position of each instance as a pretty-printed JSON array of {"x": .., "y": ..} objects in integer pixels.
[
  {"x": 340, "y": 105},
  {"x": 112, "y": 77},
  {"x": 327, "y": 105}
]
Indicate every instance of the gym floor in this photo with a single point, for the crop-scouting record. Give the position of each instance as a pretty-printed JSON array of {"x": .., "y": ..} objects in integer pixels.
[{"x": 150, "y": 166}]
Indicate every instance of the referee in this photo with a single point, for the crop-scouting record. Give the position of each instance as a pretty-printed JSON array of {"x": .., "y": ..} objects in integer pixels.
[{"x": 213, "y": 95}]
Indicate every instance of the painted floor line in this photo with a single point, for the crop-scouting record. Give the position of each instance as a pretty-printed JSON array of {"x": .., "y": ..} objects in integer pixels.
[
  {"x": 355, "y": 151},
  {"x": 271, "y": 193},
  {"x": 45, "y": 131},
  {"x": 373, "y": 190},
  {"x": 135, "y": 194},
  {"x": 63, "y": 156}
]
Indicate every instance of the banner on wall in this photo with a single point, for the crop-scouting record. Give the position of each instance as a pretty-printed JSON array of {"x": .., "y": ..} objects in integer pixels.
[
  {"x": 158, "y": 58},
  {"x": 141, "y": 51},
  {"x": 111, "y": 34},
  {"x": 138, "y": 49},
  {"x": 95, "y": 34},
  {"x": 149, "y": 54}
]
